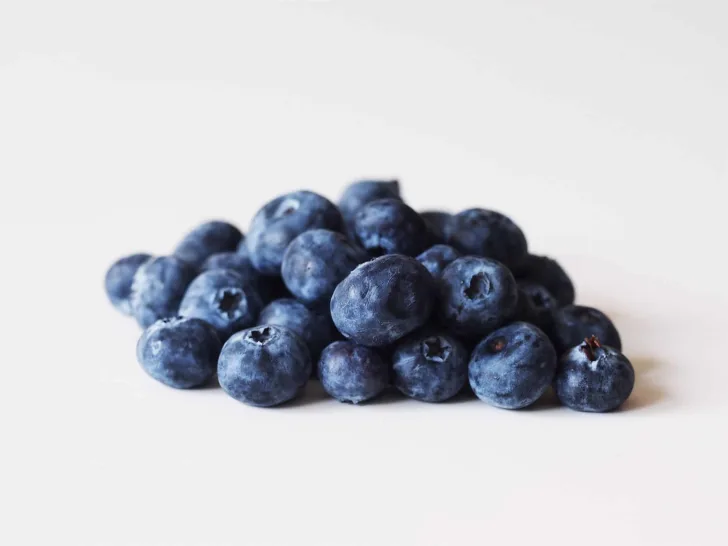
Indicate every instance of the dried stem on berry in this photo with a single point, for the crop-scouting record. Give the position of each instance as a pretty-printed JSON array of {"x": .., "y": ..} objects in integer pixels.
[{"x": 590, "y": 345}]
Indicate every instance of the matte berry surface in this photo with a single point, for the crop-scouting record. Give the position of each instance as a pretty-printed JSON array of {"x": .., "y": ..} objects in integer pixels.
[
  {"x": 383, "y": 300},
  {"x": 314, "y": 326},
  {"x": 437, "y": 258},
  {"x": 179, "y": 352},
  {"x": 549, "y": 274},
  {"x": 389, "y": 226},
  {"x": 439, "y": 223},
  {"x": 488, "y": 233},
  {"x": 352, "y": 373},
  {"x": 119, "y": 278},
  {"x": 430, "y": 366},
  {"x": 593, "y": 377},
  {"x": 536, "y": 305},
  {"x": 316, "y": 262},
  {"x": 574, "y": 323},
  {"x": 360, "y": 193},
  {"x": 264, "y": 366},
  {"x": 207, "y": 239}
]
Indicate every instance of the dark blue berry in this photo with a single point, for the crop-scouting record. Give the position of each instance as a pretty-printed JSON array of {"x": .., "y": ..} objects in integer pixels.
[
  {"x": 549, "y": 274},
  {"x": 224, "y": 299},
  {"x": 158, "y": 287},
  {"x": 593, "y": 377},
  {"x": 488, "y": 233},
  {"x": 119, "y": 279},
  {"x": 314, "y": 326},
  {"x": 316, "y": 262},
  {"x": 360, "y": 193},
  {"x": 282, "y": 220},
  {"x": 266, "y": 287},
  {"x": 437, "y": 258},
  {"x": 207, "y": 239},
  {"x": 431, "y": 367},
  {"x": 477, "y": 295},
  {"x": 536, "y": 305},
  {"x": 383, "y": 300},
  {"x": 264, "y": 366},
  {"x": 388, "y": 226},
  {"x": 574, "y": 323},
  {"x": 438, "y": 222},
  {"x": 179, "y": 352},
  {"x": 352, "y": 373},
  {"x": 513, "y": 366}
]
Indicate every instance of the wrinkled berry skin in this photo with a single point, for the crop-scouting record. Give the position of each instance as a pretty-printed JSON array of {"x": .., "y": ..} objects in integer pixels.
[
  {"x": 438, "y": 222},
  {"x": 352, "y": 373},
  {"x": 549, "y": 274},
  {"x": 358, "y": 194},
  {"x": 119, "y": 279},
  {"x": 437, "y": 258},
  {"x": 312, "y": 325},
  {"x": 536, "y": 305},
  {"x": 207, "y": 239},
  {"x": 264, "y": 366},
  {"x": 316, "y": 262},
  {"x": 477, "y": 295},
  {"x": 487, "y": 233},
  {"x": 158, "y": 287},
  {"x": 431, "y": 367},
  {"x": 282, "y": 220},
  {"x": 179, "y": 352},
  {"x": 224, "y": 299},
  {"x": 598, "y": 385},
  {"x": 513, "y": 366},
  {"x": 388, "y": 226},
  {"x": 383, "y": 300},
  {"x": 574, "y": 323}
]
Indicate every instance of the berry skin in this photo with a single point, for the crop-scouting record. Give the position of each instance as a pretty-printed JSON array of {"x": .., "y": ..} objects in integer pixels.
[
  {"x": 548, "y": 273},
  {"x": 437, "y": 258},
  {"x": 487, "y": 233},
  {"x": 383, "y": 300},
  {"x": 513, "y": 366},
  {"x": 388, "y": 226},
  {"x": 477, "y": 295},
  {"x": 430, "y": 367},
  {"x": 224, "y": 299},
  {"x": 282, "y": 220},
  {"x": 438, "y": 222},
  {"x": 352, "y": 373},
  {"x": 158, "y": 287},
  {"x": 179, "y": 352},
  {"x": 207, "y": 239},
  {"x": 593, "y": 377},
  {"x": 241, "y": 264},
  {"x": 536, "y": 305},
  {"x": 119, "y": 279},
  {"x": 264, "y": 366},
  {"x": 574, "y": 323},
  {"x": 316, "y": 262},
  {"x": 312, "y": 325},
  {"x": 360, "y": 193}
]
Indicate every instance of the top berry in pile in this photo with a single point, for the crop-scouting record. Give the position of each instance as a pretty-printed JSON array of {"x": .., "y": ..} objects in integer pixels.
[{"x": 426, "y": 301}]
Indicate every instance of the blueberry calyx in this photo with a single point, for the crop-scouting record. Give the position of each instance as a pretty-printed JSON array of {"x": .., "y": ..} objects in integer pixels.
[
  {"x": 436, "y": 348},
  {"x": 228, "y": 301},
  {"x": 260, "y": 336},
  {"x": 590, "y": 345},
  {"x": 479, "y": 285},
  {"x": 288, "y": 207}
]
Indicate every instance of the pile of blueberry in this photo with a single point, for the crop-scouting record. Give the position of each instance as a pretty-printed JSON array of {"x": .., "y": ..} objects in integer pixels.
[{"x": 366, "y": 295}]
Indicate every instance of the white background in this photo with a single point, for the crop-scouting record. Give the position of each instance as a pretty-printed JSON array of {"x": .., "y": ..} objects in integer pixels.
[{"x": 601, "y": 127}]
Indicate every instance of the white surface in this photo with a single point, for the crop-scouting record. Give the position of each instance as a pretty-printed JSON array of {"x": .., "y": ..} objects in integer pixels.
[{"x": 600, "y": 127}]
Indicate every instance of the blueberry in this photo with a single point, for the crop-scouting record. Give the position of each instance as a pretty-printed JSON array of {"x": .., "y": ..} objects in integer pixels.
[
  {"x": 264, "y": 366},
  {"x": 158, "y": 287},
  {"x": 548, "y": 273},
  {"x": 593, "y": 377},
  {"x": 388, "y": 226},
  {"x": 574, "y": 323},
  {"x": 360, "y": 193},
  {"x": 119, "y": 278},
  {"x": 513, "y": 366},
  {"x": 540, "y": 305},
  {"x": 241, "y": 264},
  {"x": 438, "y": 222},
  {"x": 207, "y": 239},
  {"x": 431, "y": 367},
  {"x": 314, "y": 326},
  {"x": 477, "y": 295},
  {"x": 243, "y": 248},
  {"x": 282, "y": 220},
  {"x": 436, "y": 258},
  {"x": 383, "y": 300},
  {"x": 179, "y": 352},
  {"x": 316, "y": 262},
  {"x": 352, "y": 373},
  {"x": 488, "y": 233}
]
